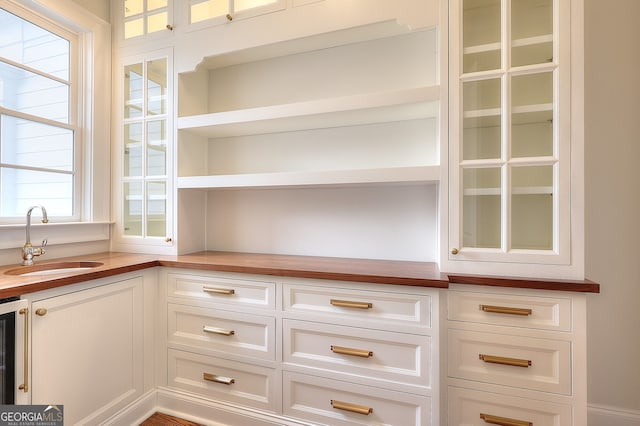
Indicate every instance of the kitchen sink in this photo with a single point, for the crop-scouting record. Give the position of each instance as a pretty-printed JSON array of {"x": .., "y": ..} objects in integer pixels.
[{"x": 53, "y": 268}]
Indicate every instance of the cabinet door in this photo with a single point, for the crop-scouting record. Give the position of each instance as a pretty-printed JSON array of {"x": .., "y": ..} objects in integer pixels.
[
  {"x": 87, "y": 350},
  {"x": 144, "y": 18},
  {"x": 510, "y": 131},
  {"x": 143, "y": 187}
]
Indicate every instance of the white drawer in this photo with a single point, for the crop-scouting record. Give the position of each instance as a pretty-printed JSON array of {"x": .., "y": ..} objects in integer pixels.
[
  {"x": 383, "y": 355},
  {"x": 549, "y": 369},
  {"x": 546, "y": 313},
  {"x": 310, "y": 398},
  {"x": 226, "y": 291},
  {"x": 213, "y": 330},
  {"x": 467, "y": 406},
  {"x": 224, "y": 380},
  {"x": 387, "y": 309}
]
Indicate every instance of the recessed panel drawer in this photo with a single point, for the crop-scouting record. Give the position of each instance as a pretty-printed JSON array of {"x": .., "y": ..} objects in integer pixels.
[
  {"x": 212, "y": 330},
  {"x": 525, "y": 362},
  {"x": 335, "y": 402},
  {"x": 474, "y": 408},
  {"x": 383, "y": 355},
  {"x": 224, "y": 380},
  {"x": 340, "y": 304},
  {"x": 545, "y": 313},
  {"x": 227, "y": 291}
]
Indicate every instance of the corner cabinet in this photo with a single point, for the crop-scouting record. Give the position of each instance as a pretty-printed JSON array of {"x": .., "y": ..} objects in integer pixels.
[
  {"x": 511, "y": 182},
  {"x": 143, "y": 153}
]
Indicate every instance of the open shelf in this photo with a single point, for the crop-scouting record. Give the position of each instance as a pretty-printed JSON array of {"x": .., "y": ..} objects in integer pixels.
[
  {"x": 322, "y": 113},
  {"x": 524, "y": 190},
  {"x": 419, "y": 174}
]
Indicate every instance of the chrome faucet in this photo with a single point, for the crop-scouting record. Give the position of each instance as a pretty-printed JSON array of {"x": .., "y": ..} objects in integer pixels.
[{"x": 28, "y": 251}]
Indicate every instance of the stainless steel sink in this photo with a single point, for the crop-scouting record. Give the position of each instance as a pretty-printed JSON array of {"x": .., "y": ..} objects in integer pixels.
[{"x": 53, "y": 268}]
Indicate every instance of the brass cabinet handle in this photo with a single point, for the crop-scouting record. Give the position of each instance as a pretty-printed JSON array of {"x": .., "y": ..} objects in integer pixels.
[
  {"x": 503, "y": 421},
  {"x": 514, "y": 362},
  {"x": 506, "y": 310},
  {"x": 41, "y": 312},
  {"x": 363, "y": 353},
  {"x": 216, "y": 330},
  {"x": 354, "y": 408},
  {"x": 351, "y": 304},
  {"x": 218, "y": 379},
  {"x": 213, "y": 290},
  {"x": 25, "y": 386},
  {"x": 454, "y": 251}
]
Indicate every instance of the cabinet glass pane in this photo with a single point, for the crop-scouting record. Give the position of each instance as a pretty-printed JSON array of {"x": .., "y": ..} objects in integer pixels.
[
  {"x": 133, "y": 88},
  {"x": 482, "y": 136},
  {"x": 532, "y": 208},
  {"x": 531, "y": 32},
  {"x": 133, "y": 208},
  {"x": 133, "y": 28},
  {"x": 156, "y": 209},
  {"x": 133, "y": 7},
  {"x": 133, "y": 149},
  {"x": 532, "y": 115},
  {"x": 239, "y": 5},
  {"x": 481, "y": 35},
  {"x": 157, "y": 87},
  {"x": 156, "y": 148},
  {"x": 157, "y": 22},
  {"x": 203, "y": 10},
  {"x": 481, "y": 207},
  {"x": 156, "y": 4}
]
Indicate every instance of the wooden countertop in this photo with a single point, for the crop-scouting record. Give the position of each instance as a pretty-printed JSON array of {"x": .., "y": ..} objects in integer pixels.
[{"x": 422, "y": 274}]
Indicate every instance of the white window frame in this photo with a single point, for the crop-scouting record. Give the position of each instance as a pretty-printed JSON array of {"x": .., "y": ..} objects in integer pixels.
[{"x": 92, "y": 119}]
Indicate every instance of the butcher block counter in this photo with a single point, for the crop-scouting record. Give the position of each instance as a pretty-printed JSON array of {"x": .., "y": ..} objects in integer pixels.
[{"x": 15, "y": 282}]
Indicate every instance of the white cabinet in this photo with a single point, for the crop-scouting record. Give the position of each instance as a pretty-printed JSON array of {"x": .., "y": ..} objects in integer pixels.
[
  {"x": 143, "y": 190},
  {"x": 90, "y": 351},
  {"x": 511, "y": 162},
  {"x": 515, "y": 357},
  {"x": 360, "y": 354},
  {"x": 293, "y": 351}
]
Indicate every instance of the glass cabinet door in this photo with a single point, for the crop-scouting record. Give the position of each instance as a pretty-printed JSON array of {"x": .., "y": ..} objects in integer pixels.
[
  {"x": 506, "y": 160},
  {"x": 143, "y": 17},
  {"x": 145, "y": 166}
]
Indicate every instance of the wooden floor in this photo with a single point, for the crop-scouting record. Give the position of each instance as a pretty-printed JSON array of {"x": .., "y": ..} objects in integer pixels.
[{"x": 160, "y": 419}]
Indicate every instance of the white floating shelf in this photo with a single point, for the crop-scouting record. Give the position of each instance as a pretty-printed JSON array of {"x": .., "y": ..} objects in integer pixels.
[
  {"x": 417, "y": 174},
  {"x": 352, "y": 110}
]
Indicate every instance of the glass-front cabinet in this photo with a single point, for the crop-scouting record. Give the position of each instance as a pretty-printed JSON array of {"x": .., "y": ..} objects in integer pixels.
[
  {"x": 143, "y": 17},
  {"x": 144, "y": 153},
  {"x": 510, "y": 132}
]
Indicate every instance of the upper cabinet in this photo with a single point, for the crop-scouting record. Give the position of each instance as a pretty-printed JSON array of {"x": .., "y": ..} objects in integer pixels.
[
  {"x": 510, "y": 134},
  {"x": 144, "y": 17}
]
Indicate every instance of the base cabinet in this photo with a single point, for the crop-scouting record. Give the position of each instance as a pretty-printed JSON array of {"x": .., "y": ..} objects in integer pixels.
[
  {"x": 87, "y": 350},
  {"x": 301, "y": 351}
]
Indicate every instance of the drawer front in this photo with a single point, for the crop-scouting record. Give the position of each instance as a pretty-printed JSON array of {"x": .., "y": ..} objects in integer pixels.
[
  {"x": 474, "y": 408},
  {"x": 213, "y": 330},
  {"x": 383, "y": 355},
  {"x": 545, "y": 313},
  {"x": 335, "y": 402},
  {"x": 368, "y": 306},
  {"x": 226, "y": 291},
  {"x": 224, "y": 380},
  {"x": 525, "y": 362}
]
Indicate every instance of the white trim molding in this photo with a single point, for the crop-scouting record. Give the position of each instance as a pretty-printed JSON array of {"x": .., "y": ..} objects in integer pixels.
[{"x": 603, "y": 415}]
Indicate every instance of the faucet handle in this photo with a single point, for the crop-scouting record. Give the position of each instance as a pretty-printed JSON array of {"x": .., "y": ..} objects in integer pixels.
[{"x": 44, "y": 243}]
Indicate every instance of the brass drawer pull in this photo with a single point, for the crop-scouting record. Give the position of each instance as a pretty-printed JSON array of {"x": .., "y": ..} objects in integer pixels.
[
  {"x": 354, "y": 408},
  {"x": 506, "y": 310},
  {"x": 216, "y": 330},
  {"x": 503, "y": 421},
  {"x": 213, "y": 290},
  {"x": 350, "y": 304},
  {"x": 25, "y": 386},
  {"x": 218, "y": 379},
  {"x": 514, "y": 362},
  {"x": 363, "y": 353}
]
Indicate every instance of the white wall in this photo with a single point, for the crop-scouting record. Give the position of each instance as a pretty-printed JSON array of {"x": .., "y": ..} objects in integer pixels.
[
  {"x": 612, "y": 151},
  {"x": 100, "y": 8}
]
